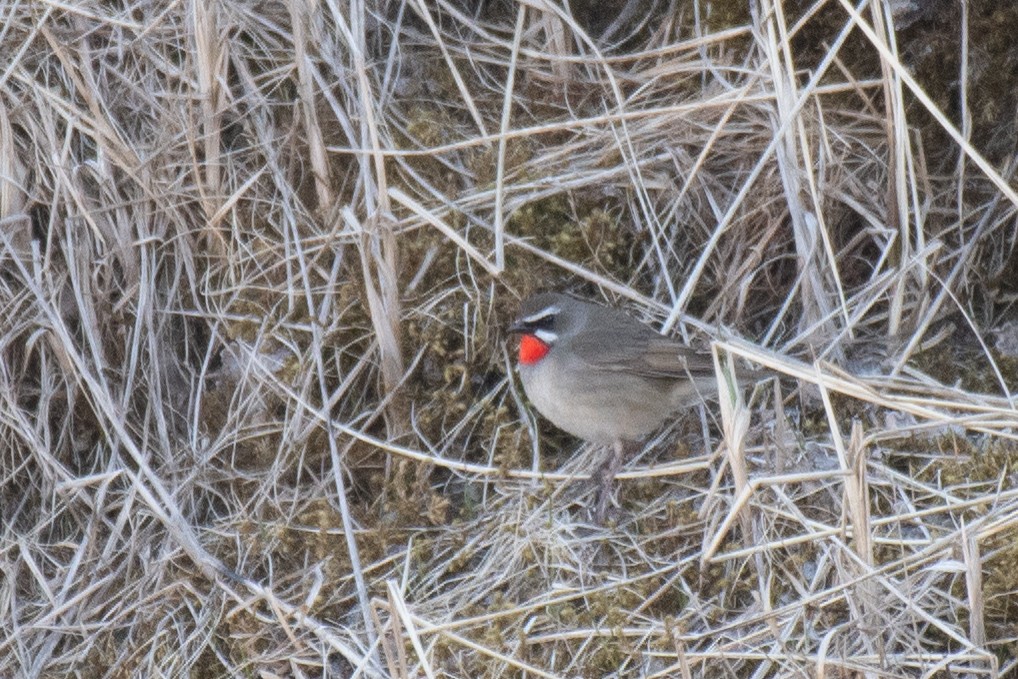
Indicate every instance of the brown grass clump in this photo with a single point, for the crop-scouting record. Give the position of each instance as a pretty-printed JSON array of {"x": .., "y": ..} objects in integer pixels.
[{"x": 258, "y": 410}]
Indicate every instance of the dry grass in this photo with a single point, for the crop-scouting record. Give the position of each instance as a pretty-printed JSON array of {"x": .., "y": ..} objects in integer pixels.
[{"x": 258, "y": 415}]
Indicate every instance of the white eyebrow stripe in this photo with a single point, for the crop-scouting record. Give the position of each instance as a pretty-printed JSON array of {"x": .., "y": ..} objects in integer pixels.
[{"x": 543, "y": 313}]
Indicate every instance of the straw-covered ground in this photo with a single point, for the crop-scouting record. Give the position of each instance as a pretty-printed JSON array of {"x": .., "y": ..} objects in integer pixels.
[{"x": 258, "y": 412}]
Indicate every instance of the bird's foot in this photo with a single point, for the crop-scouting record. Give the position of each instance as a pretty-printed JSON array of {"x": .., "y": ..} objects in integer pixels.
[{"x": 604, "y": 477}]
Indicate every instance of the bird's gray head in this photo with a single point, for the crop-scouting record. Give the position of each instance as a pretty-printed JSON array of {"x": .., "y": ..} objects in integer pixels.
[{"x": 548, "y": 316}]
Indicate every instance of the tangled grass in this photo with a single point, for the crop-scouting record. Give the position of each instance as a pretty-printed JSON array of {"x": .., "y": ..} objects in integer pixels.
[{"x": 258, "y": 412}]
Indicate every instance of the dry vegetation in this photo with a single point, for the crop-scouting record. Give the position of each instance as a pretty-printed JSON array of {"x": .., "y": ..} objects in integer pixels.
[{"x": 258, "y": 415}]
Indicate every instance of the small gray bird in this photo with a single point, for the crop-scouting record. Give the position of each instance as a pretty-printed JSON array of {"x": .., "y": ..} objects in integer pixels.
[{"x": 603, "y": 376}]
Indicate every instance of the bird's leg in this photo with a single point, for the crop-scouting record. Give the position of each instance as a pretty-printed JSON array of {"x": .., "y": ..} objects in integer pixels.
[{"x": 605, "y": 477}]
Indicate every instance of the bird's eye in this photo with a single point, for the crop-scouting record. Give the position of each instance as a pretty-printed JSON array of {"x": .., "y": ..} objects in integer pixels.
[{"x": 545, "y": 318}]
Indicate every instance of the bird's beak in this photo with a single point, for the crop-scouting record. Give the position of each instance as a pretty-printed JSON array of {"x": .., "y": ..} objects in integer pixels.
[{"x": 518, "y": 327}]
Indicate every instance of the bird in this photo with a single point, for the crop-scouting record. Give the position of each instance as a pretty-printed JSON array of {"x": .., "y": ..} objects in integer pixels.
[{"x": 603, "y": 376}]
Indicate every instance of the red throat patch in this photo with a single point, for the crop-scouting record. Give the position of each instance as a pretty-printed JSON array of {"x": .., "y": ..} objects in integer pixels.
[{"x": 532, "y": 350}]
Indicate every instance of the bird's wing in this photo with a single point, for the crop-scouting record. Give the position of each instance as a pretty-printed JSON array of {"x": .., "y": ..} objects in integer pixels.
[
  {"x": 666, "y": 356},
  {"x": 641, "y": 351}
]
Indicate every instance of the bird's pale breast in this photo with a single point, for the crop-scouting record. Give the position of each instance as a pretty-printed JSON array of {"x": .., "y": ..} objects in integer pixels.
[{"x": 602, "y": 406}]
